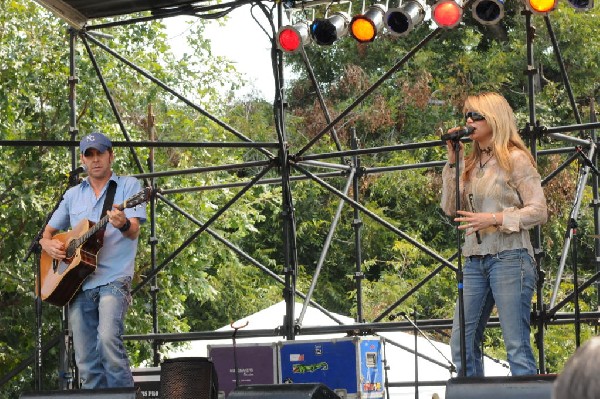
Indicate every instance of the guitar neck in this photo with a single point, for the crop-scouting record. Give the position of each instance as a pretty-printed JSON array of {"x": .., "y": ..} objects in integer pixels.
[{"x": 94, "y": 229}]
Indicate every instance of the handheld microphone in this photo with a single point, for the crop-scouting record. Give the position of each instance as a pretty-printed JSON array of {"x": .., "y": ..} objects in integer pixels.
[
  {"x": 458, "y": 134},
  {"x": 78, "y": 170}
]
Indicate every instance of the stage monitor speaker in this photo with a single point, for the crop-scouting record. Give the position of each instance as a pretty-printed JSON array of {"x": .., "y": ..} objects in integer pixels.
[
  {"x": 188, "y": 377},
  {"x": 109, "y": 393},
  {"x": 283, "y": 391},
  {"x": 530, "y": 387}
]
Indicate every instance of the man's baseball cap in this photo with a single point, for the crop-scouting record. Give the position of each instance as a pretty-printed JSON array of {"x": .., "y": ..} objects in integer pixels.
[{"x": 95, "y": 140}]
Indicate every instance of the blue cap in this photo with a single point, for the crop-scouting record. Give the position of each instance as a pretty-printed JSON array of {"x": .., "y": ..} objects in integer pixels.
[{"x": 95, "y": 140}]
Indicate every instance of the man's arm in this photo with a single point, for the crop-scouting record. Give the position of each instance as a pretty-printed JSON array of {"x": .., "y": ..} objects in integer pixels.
[{"x": 133, "y": 231}]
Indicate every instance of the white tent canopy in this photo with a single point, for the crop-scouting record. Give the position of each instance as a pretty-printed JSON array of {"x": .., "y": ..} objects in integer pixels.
[{"x": 398, "y": 354}]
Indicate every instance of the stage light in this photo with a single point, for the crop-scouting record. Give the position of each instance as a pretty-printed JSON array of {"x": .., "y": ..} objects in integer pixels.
[
  {"x": 541, "y": 6},
  {"x": 488, "y": 12},
  {"x": 581, "y": 5},
  {"x": 404, "y": 18},
  {"x": 447, "y": 13},
  {"x": 327, "y": 31},
  {"x": 365, "y": 27},
  {"x": 292, "y": 38}
]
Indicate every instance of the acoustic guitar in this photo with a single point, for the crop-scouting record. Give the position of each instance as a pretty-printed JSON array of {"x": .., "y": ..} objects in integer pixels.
[{"x": 61, "y": 279}]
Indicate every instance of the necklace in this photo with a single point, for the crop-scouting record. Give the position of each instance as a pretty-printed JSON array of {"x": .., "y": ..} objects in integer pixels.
[
  {"x": 487, "y": 150},
  {"x": 481, "y": 171}
]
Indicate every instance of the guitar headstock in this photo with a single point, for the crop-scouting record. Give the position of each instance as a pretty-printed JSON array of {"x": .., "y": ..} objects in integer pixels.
[{"x": 139, "y": 198}]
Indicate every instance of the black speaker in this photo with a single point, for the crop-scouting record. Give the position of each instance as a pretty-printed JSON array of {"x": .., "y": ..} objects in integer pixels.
[
  {"x": 109, "y": 393},
  {"x": 147, "y": 380},
  {"x": 519, "y": 387},
  {"x": 188, "y": 378},
  {"x": 283, "y": 391}
]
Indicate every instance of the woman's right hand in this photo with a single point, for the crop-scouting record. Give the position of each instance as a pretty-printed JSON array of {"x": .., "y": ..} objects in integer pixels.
[{"x": 450, "y": 146}]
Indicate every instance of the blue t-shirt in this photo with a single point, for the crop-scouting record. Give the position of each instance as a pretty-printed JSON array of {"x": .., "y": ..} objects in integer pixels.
[{"x": 117, "y": 255}]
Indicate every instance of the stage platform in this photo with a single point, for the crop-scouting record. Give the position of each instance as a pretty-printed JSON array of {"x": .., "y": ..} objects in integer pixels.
[{"x": 526, "y": 387}]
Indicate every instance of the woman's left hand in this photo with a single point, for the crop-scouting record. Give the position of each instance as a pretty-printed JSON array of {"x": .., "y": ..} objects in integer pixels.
[{"x": 474, "y": 221}]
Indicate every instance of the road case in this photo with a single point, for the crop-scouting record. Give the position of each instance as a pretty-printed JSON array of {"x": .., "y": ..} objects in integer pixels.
[{"x": 351, "y": 367}]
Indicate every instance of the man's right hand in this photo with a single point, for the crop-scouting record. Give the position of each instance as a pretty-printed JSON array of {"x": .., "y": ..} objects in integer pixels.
[{"x": 54, "y": 248}]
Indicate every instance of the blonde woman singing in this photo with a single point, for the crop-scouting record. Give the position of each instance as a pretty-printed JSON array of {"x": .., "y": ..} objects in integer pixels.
[{"x": 501, "y": 199}]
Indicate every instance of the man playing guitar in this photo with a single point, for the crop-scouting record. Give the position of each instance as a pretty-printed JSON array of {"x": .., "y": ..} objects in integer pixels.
[{"x": 97, "y": 310}]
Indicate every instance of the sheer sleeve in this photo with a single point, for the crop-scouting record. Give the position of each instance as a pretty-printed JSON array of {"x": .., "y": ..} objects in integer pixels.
[
  {"x": 526, "y": 181},
  {"x": 448, "y": 202}
]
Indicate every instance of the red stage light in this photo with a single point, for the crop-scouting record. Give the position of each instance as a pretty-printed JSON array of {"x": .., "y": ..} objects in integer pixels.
[
  {"x": 291, "y": 38},
  {"x": 447, "y": 13}
]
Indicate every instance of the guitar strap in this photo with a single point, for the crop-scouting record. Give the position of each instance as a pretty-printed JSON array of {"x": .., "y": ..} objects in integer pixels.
[{"x": 110, "y": 198}]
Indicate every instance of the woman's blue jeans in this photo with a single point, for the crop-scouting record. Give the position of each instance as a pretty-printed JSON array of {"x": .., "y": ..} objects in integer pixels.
[
  {"x": 507, "y": 280},
  {"x": 96, "y": 317}
]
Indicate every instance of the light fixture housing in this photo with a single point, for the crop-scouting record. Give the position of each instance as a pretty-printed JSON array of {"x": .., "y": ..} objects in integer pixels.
[
  {"x": 365, "y": 27},
  {"x": 581, "y": 5},
  {"x": 488, "y": 12},
  {"x": 401, "y": 20},
  {"x": 325, "y": 31},
  {"x": 291, "y": 38},
  {"x": 447, "y": 13}
]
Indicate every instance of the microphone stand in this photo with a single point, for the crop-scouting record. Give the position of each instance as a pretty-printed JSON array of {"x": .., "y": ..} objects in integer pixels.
[
  {"x": 417, "y": 330},
  {"x": 459, "y": 272},
  {"x": 35, "y": 247},
  {"x": 235, "y": 362}
]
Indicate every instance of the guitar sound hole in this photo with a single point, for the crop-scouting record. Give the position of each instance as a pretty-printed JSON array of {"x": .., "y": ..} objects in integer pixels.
[{"x": 71, "y": 249}]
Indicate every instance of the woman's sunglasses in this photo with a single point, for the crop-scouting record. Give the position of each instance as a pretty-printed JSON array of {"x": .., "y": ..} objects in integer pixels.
[{"x": 475, "y": 116}]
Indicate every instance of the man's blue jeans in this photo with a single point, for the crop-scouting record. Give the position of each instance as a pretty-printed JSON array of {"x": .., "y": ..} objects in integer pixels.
[
  {"x": 96, "y": 317},
  {"x": 508, "y": 280}
]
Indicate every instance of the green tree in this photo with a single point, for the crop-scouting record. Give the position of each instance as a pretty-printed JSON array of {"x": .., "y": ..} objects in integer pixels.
[{"x": 33, "y": 106}]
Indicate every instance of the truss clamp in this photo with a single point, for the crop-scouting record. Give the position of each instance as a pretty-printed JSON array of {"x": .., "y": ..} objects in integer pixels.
[
  {"x": 530, "y": 70},
  {"x": 361, "y": 171}
]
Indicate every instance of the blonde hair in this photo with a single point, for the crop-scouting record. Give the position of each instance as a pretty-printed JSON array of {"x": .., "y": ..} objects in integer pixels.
[{"x": 505, "y": 136}]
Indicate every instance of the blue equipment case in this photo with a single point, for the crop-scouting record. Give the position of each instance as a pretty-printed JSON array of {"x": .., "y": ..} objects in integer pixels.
[{"x": 352, "y": 366}]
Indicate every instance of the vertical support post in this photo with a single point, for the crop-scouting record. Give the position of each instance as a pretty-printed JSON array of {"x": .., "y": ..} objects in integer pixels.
[
  {"x": 596, "y": 202},
  {"x": 531, "y": 71},
  {"x": 67, "y": 378},
  {"x": 153, "y": 241},
  {"x": 287, "y": 213},
  {"x": 573, "y": 227},
  {"x": 357, "y": 225}
]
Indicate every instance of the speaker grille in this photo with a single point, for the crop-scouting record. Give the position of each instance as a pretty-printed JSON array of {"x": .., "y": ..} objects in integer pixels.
[{"x": 188, "y": 378}]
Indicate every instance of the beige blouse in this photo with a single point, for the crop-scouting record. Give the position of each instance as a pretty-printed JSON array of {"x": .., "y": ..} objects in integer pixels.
[{"x": 518, "y": 196}]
